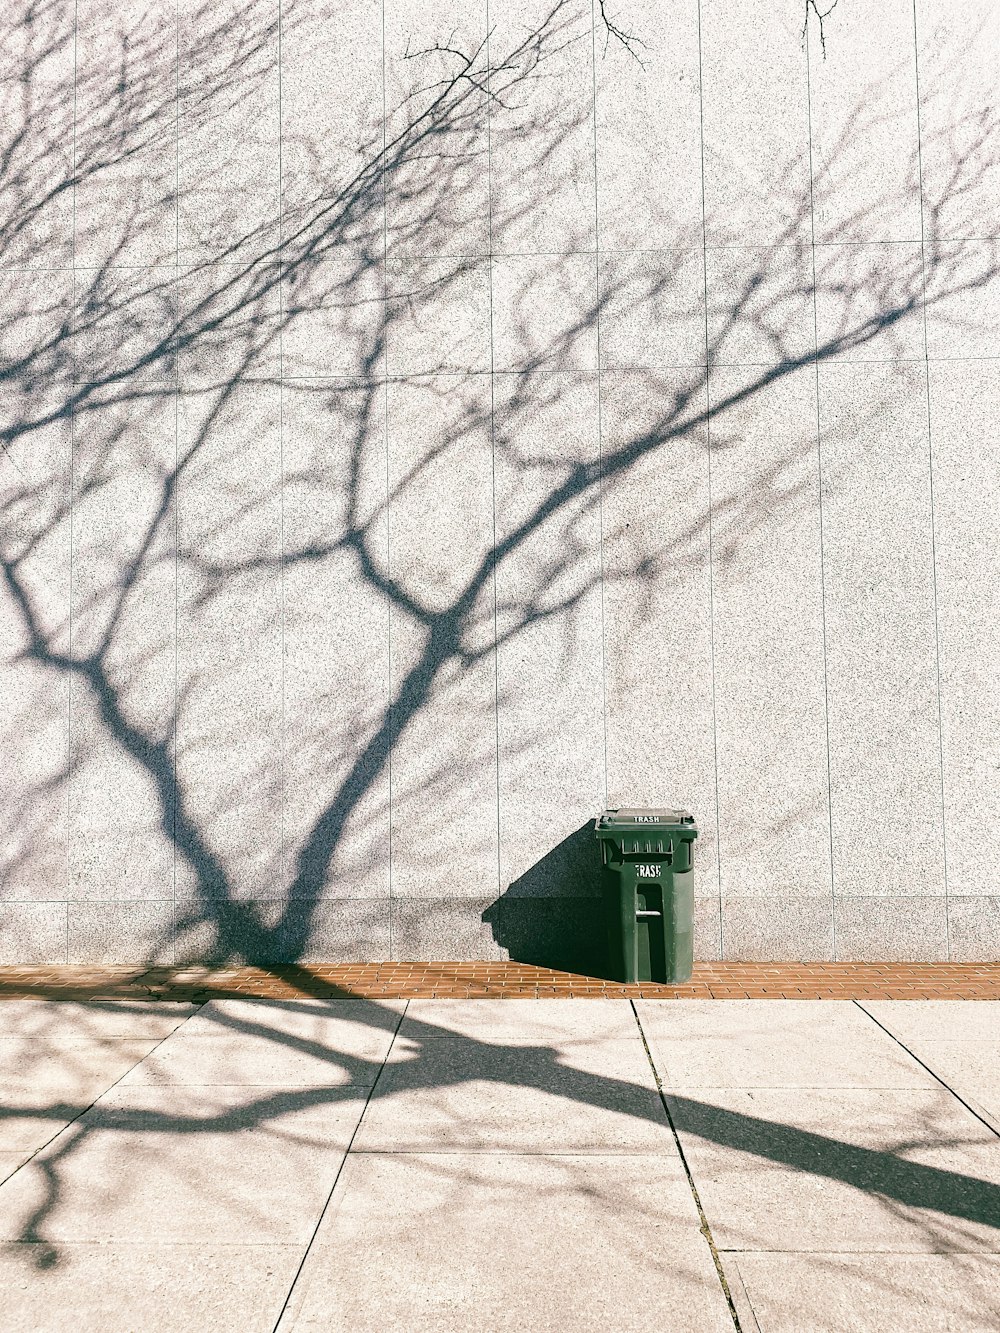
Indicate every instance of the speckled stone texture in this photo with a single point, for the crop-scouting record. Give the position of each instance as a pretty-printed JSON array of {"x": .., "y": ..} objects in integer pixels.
[{"x": 424, "y": 426}]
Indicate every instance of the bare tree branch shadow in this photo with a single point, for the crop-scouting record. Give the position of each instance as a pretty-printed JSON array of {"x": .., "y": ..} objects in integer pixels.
[
  {"x": 135, "y": 337},
  {"x": 204, "y": 317},
  {"x": 937, "y": 1202}
]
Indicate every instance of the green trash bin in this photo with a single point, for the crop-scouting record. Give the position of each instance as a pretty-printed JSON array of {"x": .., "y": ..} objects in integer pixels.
[{"x": 648, "y": 888}]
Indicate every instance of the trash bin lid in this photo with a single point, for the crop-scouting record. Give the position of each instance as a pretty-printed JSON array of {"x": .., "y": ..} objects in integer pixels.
[{"x": 642, "y": 816}]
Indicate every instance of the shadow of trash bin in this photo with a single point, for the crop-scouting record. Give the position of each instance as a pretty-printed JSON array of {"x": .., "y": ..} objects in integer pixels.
[{"x": 552, "y": 915}]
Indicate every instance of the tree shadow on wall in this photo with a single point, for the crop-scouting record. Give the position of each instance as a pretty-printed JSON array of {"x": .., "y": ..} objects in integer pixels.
[
  {"x": 209, "y": 420},
  {"x": 552, "y": 915}
]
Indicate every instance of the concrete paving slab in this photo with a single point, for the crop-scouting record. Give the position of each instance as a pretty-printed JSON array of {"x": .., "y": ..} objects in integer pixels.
[
  {"x": 790, "y": 1060},
  {"x": 970, "y": 1068},
  {"x": 463, "y": 1095},
  {"x": 514, "y": 1156},
  {"x": 290, "y": 1043},
  {"x": 155, "y": 1288},
  {"x": 709, "y": 1020},
  {"x": 262, "y": 1061},
  {"x": 28, "y": 1121},
  {"x": 183, "y": 1164},
  {"x": 760, "y": 1044},
  {"x": 938, "y": 1020},
  {"x": 351, "y": 1025},
  {"x": 66, "y": 1066},
  {"x": 11, "y": 1162},
  {"x": 842, "y": 1293},
  {"x": 93, "y": 1018},
  {"x": 521, "y": 1022},
  {"x": 425, "y": 1243},
  {"x": 848, "y": 1169}
]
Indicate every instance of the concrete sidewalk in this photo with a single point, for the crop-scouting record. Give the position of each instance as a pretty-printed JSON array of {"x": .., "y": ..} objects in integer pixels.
[{"x": 519, "y": 1164}]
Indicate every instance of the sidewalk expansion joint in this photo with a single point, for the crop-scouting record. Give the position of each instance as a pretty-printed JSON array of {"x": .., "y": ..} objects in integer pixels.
[
  {"x": 933, "y": 1072},
  {"x": 338, "y": 1173},
  {"x": 704, "y": 1226}
]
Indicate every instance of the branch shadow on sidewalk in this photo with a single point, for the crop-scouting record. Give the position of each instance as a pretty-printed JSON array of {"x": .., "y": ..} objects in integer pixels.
[{"x": 445, "y": 1066}]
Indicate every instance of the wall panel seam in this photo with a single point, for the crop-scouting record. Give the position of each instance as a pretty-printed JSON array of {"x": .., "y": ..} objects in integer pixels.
[
  {"x": 708, "y": 465},
  {"x": 819, "y": 497},
  {"x": 930, "y": 482}
]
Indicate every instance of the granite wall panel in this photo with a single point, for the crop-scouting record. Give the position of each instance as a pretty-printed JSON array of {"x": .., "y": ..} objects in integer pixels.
[{"x": 421, "y": 425}]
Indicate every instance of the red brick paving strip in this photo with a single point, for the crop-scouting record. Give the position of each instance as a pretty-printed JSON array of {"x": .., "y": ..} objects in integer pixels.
[{"x": 719, "y": 981}]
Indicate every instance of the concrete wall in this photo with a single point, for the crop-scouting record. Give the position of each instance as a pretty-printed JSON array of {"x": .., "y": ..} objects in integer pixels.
[{"x": 427, "y": 423}]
